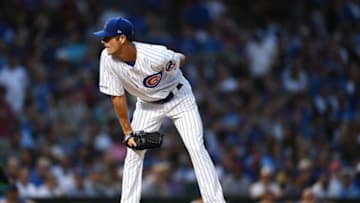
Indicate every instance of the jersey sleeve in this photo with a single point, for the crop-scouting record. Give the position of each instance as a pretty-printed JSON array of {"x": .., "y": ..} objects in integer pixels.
[
  {"x": 109, "y": 82},
  {"x": 171, "y": 62}
]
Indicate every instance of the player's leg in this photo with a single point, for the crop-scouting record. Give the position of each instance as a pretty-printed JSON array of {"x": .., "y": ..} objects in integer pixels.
[
  {"x": 190, "y": 128},
  {"x": 148, "y": 118}
]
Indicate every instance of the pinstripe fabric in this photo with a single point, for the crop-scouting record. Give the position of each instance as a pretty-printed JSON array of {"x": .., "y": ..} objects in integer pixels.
[
  {"x": 189, "y": 126},
  {"x": 147, "y": 118},
  {"x": 184, "y": 113},
  {"x": 116, "y": 75},
  {"x": 156, "y": 73}
]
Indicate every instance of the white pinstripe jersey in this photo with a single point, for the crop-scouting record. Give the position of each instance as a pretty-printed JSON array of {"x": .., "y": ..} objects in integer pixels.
[{"x": 155, "y": 73}]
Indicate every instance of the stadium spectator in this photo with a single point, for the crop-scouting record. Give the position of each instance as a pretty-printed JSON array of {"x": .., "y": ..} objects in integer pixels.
[
  {"x": 277, "y": 85},
  {"x": 12, "y": 196},
  {"x": 308, "y": 196},
  {"x": 26, "y": 188},
  {"x": 16, "y": 81},
  {"x": 265, "y": 185}
]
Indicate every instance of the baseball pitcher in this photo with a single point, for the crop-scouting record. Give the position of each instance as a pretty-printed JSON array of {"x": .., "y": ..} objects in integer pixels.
[{"x": 152, "y": 74}]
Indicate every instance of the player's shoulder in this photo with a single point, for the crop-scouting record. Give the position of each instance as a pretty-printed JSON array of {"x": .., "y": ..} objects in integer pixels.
[
  {"x": 155, "y": 53},
  {"x": 104, "y": 53},
  {"x": 106, "y": 60},
  {"x": 105, "y": 57},
  {"x": 150, "y": 48}
]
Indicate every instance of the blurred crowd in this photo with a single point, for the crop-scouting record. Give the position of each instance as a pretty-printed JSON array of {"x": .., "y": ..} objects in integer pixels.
[{"x": 277, "y": 83}]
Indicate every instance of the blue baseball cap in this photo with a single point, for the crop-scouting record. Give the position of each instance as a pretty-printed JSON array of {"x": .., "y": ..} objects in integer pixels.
[{"x": 116, "y": 26}]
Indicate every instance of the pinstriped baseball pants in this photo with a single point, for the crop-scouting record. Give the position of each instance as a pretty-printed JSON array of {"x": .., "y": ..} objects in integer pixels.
[{"x": 183, "y": 111}]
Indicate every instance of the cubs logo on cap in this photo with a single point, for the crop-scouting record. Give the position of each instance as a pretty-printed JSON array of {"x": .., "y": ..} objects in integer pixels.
[{"x": 153, "y": 80}]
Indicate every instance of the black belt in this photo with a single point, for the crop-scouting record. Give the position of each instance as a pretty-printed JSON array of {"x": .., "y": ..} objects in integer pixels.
[{"x": 169, "y": 97}]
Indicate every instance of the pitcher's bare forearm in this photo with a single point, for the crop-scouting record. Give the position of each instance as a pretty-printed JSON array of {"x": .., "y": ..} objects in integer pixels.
[{"x": 121, "y": 109}]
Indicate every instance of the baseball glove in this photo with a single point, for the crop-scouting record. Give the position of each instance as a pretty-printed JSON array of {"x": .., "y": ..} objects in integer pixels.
[{"x": 145, "y": 140}]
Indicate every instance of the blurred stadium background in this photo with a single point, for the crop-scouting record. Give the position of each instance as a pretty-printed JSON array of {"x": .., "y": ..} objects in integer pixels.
[{"x": 277, "y": 83}]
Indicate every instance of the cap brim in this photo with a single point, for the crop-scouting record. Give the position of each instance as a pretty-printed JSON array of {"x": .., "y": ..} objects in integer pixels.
[{"x": 102, "y": 33}]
